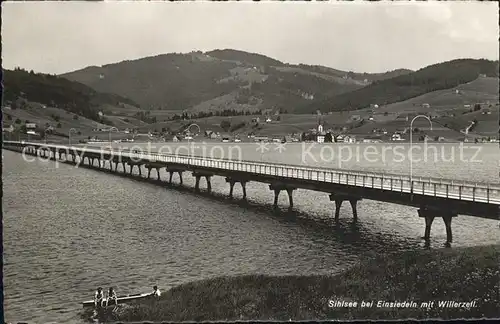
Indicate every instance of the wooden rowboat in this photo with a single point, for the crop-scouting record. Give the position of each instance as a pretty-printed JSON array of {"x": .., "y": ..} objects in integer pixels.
[{"x": 121, "y": 300}]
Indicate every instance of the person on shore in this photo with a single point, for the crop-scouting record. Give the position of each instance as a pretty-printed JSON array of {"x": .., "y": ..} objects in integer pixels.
[
  {"x": 156, "y": 292},
  {"x": 98, "y": 297},
  {"x": 112, "y": 298}
]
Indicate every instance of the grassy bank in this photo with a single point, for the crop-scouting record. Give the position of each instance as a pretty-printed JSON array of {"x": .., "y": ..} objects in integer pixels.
[{"x": 462, "y": 275}]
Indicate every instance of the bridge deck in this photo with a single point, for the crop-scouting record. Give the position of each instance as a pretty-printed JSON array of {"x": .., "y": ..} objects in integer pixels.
[{"x": 443, "y": 188}]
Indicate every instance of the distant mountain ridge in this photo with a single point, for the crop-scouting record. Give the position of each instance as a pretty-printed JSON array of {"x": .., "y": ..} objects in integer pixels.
[
  {"x": 239, "y": 80},
  {"x": 243, "y": 81},
  {"x": 55, "y": 91},
  {"x": 431, "y": 78}
]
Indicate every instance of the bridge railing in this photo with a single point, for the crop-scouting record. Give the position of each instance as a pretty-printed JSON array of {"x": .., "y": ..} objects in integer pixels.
[
  {"x": 479, "y": 193},
  {"x": 399, "y": 183}
]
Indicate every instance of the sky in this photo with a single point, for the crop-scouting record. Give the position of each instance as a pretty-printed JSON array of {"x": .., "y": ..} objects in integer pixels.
[{"x": 59, "y": 37}]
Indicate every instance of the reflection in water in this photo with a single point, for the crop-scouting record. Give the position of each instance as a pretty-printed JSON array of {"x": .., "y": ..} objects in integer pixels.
[{"x": 82, "y": 229}]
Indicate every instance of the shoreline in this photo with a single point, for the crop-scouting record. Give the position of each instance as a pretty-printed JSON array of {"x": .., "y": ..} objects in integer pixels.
[{"x": 443, "y": 283}]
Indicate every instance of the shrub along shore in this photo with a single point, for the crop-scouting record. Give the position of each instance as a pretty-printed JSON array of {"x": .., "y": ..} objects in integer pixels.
[{"x": 464, "y": 275}]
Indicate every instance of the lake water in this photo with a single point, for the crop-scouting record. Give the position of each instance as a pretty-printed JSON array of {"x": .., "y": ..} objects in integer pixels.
[{"x": 67, "y": 230}]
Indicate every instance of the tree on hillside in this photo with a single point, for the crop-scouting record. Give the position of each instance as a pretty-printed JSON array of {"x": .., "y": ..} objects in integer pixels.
[
  {"x": 75, "y": 117},
  {"x": 477, "y": 107},
  {"x": 328, "y": 138},
  {"x": 225, "y": 125},
  {"x": 17, "y": 121}
]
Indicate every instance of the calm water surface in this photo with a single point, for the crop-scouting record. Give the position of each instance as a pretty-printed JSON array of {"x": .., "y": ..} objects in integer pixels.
[{"x": 68, "y": 231}]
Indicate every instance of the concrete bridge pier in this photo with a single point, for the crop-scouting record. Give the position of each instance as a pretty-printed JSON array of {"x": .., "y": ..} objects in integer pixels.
[
  {"x": 153, "y": 166},
  {"x": 277, "y": 188},
  {"x": 339, "y": 199},
  {"x": 198, "y": 176},
  {"x": 232, "y": 182},
  {"x": 132, "y": 164},
  {"x": 429, "y": 214},
  {"x": 171, "y": 174}
]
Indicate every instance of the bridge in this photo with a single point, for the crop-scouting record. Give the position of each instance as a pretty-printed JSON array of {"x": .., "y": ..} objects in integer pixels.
[{"x": 434, "y": 197}]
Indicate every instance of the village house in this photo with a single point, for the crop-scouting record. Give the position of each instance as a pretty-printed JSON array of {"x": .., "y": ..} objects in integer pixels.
[
  {"x": 320, "y": 138},
  {"x": 9, "y": 129},
  {"x": 30, "y": 125},
  {"x": 261, "y": 138},
  {"x": 396, "y": 137},
  {"x": 349, "y": 139},
  {"x": 345, "y": 139}
]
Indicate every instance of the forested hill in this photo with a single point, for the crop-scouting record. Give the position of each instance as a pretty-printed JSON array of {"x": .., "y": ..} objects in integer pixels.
[
  {"x": 434, "y": 77},
  {"x": 58, "y": 92},
  {"x": 241, "y": 56},
  {"x": 370, "y": 77},
  {"x": 219, "y": 80}
]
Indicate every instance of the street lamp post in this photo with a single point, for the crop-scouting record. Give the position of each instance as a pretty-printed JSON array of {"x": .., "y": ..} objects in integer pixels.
[
  {"x": 411, "y": 143},
  {"x": 112, "y": 129},
  {"x": 69, "y": 134}
]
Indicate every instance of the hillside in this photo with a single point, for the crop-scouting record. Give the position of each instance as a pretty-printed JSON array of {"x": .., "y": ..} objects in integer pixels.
[
  {"x": 369, "y": 77},
  {"x": 244, "y": 57},
  {"x": 22, "y": 87},
  {"x": 228, "y": 78},
  {"x": 435, "y": 77},
  {"x": 53, "y": 102}
]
